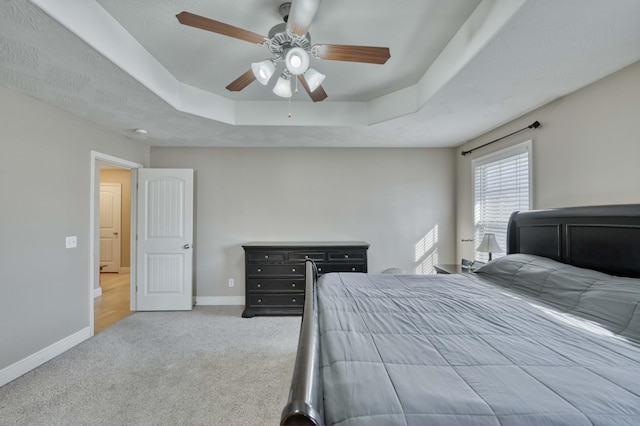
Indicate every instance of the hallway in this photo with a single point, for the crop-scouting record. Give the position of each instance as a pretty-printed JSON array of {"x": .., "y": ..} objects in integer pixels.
[{"x": 113, "y": 305}]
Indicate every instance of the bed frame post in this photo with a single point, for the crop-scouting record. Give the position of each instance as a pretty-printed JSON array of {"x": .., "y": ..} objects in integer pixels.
[{"x": 304, "y": 406}]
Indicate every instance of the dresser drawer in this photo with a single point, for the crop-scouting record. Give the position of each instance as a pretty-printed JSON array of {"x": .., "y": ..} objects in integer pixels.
[
  {"x": 325, "y": 268},
  {"x": 302, "y": 256},
  {"x": 267, "y": 256},
  {"x": 268, "y": 285},
  {"x": 276, "y": 300},
  {"x": 335, "y": 256},
  {"x": 266, "y": 270}
]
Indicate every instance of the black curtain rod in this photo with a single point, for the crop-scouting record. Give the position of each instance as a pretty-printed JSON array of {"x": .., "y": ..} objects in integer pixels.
[{"x": 533, "y": 125}]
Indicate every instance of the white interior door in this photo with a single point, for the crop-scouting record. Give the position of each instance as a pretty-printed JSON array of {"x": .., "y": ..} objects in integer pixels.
[
  {"x": 110, "y": 226},
  {"x": 165, "y": 240}
]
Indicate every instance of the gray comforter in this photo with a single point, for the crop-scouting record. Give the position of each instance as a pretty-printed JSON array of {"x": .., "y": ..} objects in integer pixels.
[{"x": 514, "y": 344}]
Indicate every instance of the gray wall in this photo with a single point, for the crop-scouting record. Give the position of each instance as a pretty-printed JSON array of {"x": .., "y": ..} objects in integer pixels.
[
  {"x": 391, "y": 198},
  {"x": 585, "y": 153},
  {"x": 44, "y": 181}
]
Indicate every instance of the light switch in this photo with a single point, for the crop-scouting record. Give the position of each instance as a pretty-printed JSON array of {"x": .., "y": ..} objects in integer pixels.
[{"x": 72, "y": 241}]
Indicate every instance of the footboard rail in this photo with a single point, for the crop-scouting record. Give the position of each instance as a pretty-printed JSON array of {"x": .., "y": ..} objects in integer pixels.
[{"x": 305, "y": 406}]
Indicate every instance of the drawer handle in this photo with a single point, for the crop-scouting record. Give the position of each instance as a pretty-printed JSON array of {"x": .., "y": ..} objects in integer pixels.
[
  {"x": 293, "y": 269},
  {"x": 293, "y": 300},
  {"x": 259, "y": 269},
  {"x": 293, "y": 284},
  {"x": 259, "y": 285},
  {"x": 306, "y": 257},
  {"x": 346, "y": 256},
  {"x": 266, "y": 256},
  {"x": 319, "y": 269},
  {"x": 353, "y": 269},
  {"x": 259, "y": 300}
]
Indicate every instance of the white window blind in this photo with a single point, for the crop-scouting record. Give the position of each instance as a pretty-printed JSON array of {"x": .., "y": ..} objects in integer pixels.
[{"x": 501, "y": 186}]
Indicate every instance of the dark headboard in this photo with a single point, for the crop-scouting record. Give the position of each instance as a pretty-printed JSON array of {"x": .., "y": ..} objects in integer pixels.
[{"x": 603, "y": 238}]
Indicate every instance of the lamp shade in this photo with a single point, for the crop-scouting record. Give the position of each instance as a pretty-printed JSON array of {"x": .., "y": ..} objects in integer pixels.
[
  {"x": 297, "y": 60},
  {"x": 489, "y": 244},
  {"x": 263, "y": 70},
  {"x": 314, "y": 79},
  {"x": 283, "y": 87}
]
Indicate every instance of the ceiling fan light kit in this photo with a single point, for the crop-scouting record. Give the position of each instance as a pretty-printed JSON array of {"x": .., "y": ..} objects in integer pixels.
[
  {"x": 289, "y": 42},
  {"x": 263, "y": 70},
  {"x": 283, "y": 86},
  {"x": 314, "y": 79},
  {"x": 297, "y": 60}
]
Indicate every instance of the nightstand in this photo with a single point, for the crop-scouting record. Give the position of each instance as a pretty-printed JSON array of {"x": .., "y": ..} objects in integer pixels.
[{"x": 450, "y": 269}]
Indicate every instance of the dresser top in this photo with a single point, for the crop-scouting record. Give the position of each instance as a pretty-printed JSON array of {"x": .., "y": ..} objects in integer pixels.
[{"x": 299, "y": 244}]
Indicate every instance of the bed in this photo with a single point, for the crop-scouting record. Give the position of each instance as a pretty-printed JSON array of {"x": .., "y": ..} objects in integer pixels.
[{"x": 549, "y": 334}]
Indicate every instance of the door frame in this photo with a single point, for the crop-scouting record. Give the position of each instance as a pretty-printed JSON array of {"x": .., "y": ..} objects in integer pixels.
[{"x": 94, "y": 225}]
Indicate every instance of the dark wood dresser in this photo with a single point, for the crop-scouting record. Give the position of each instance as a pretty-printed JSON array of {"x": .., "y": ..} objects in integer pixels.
[{"x": 275, "y": 272}]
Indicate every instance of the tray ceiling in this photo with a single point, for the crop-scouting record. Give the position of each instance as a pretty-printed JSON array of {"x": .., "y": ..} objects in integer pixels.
[{"x": 458, "y": 68}]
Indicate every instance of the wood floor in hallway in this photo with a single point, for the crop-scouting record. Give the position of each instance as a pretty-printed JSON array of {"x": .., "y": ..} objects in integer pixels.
[{"x": 113, "y": 305}]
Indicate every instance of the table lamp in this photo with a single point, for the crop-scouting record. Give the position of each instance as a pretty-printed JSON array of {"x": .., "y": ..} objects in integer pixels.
[{"x": 489, "y": 244}]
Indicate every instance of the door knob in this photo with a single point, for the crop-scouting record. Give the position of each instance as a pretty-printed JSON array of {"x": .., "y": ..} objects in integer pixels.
[
  {"x": 187, "y": 246},
  {"x": 115, "y": 233}
]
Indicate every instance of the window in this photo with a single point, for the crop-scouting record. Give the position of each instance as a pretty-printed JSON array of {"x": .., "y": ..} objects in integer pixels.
[{"x": 501, "y": 186}]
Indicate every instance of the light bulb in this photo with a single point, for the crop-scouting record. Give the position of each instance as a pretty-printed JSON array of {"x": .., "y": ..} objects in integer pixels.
[
  {"x": 297, "y": 60},
  {"x": 263, "y": 70}
]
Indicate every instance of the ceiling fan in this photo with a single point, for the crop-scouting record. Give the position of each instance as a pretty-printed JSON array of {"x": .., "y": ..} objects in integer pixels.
[{"x": 289, "y": 42}]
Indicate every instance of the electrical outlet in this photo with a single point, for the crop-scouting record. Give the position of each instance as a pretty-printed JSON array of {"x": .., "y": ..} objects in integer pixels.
[
  {"x": 231, "y": 282},
  {"x": 71, "y": 242}
]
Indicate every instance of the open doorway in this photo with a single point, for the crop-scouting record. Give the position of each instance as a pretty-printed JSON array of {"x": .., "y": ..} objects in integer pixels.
[
  {"x": 112, "y": 299},
  {"x": 112, "y": 294},
  {"x": 166, "y": 280}
]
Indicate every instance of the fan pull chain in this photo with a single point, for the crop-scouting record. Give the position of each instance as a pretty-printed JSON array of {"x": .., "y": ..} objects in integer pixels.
[{"x": 295, "y": 91}]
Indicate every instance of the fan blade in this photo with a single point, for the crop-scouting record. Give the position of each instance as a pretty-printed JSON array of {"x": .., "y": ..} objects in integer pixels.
[
  {"x": 342, "y": 52},
  {"x": 301, "y": 14},
  {"x": 241, "y": 82},
  {"x": 203, "y": 23},
  {"x": 317, "y": 95}
]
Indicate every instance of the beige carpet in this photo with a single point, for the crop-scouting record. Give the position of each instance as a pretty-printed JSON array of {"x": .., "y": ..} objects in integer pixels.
[{"x": 208, "y": 366}]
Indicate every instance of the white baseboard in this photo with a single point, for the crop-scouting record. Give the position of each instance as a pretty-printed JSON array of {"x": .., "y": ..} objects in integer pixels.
[
  {"x": 219, "y": 301},
  {"x": 97, "y": 292},
  {"x": 27, "y": 364}
]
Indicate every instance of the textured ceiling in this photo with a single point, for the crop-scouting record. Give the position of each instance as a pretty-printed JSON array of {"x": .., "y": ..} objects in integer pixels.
[{"x": 458, "y": 68}]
